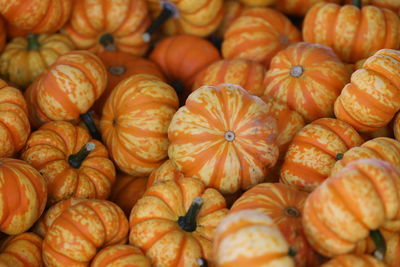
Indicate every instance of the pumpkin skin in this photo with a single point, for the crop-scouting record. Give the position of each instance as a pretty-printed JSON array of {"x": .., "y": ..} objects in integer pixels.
[
  {"x": 154, "y": 227},
  {"x": 245, "y": 73},
  {"x": 165, "y": 172},
  {"x": 258, "y": 34},
  {"x": 362, "y": 260},
  {"x": 232, "y": 10},
  {"x": 392, "y": 256},
  {"x": 121, "y": 65},
  {"x": 396, "y": 127},
  {"x": 372, "y": 98},
  {"x": 127, "y": 190},
  {"x": 83, "y": 227},
  {"x": 24, "y": 60},
  {"x": 312, "y": 153},
  {"x": 3, "y": 34},
  {"x": 250, "y": 238},
  {"x": 135, "y": 120},
  {"x": 48, "y": 150},
  {"x": 120, "y": 256},
  {"x": 393, "y": 5},
  {"x": 194, "y": 17},
  {"x": 14, "y": 123},
  {"x": 299, "y": 7},
  {"x": 284, "y": 205},
  {"x": 99, "y": 25},
  {"x": 67, "y": 89},
  {"x": 308, "y": 78},
  {"x": 37, "y": 16},
  {"x": 342, "y": 211},
  {"x": 21, "y": 250},
  {"x": 225, "y": 137},
  {"x": 358, "y": 33},
  {"x": 258, "y": 2},
  {"x": 24, "y": 195}
]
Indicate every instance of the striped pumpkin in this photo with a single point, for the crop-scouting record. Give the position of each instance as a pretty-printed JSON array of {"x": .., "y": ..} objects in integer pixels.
[
  {"x": 21, "y": 250},
  {"x": 362, "y": 260},
  {"x": 392, "y": 256},
  {"x": 120, "y": 256},
  {"x": 299, "y": 7}
]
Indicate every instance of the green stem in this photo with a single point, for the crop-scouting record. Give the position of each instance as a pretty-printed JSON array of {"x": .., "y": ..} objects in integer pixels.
[
  {"x": 107, "y": 41},
  {"x": 357, "y": 3},
  {"x": 89, "y": 122},
  {"x": 168, "y": 10},
  {"x": 75, "y": 160},
  {"x": 188, "y": 222},
  {"x": 339, "y": 156},
  {"x": 379, "y": 242},
  {"x": 33, "y": 43}
]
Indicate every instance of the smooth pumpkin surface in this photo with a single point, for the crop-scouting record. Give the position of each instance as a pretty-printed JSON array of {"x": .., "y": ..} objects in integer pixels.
[
  {"x": 135, "y": 121},
  {"x": 362, "y": 260},
  {"x": 100, "y": 25},
  {"x": 14, "y": 122},
  {"x": 155, "y": 229},
  {"x": 21, "y": 250},
  {"x": 372, "y": 98},
  {"x": 224, "y": 136},
  {"x": 120, "y": 256},
  {"x": 23, "y": 194},
  {"x": 353, "y": 34}
]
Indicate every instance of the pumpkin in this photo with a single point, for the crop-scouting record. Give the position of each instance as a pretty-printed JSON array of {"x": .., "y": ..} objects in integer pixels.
[
  {"x": 174, "y": 222},
  {"x": 73, "y": 164},
  {"x": 120, "y": 256},
  {"x": 363, "y": 260},
  {"x": 165, "y": 172},
  {"x": 135, "y": 121},
  {"x": 3, "y": 34},
  {"x": 246, "y": 73},
  {"x": 258, "y": 2},
  {"x": 81, "y": 229},
  {"x": 393, "y": 5},
  {"x": 382, "y": 148},
  {"x": 13, "y": 31},
  {"x": 181, "y": 58},
  {"x": 351, "y": 205},
  {"x": 14, "y": 123},
  {"x": 258, "y": 34},
  {"x": 115, "y": 25},
  {"x": 250, "y": 238},
  {"x": 67, "y": 89},
  {"x": 312, "y": 153},
  {"x": 284, "y": 205},
  {"x": 392, "y": 256},
  {"x": 127, "y": 190},
  {"x": 372, "y": 98},
  {"x": 24, "y": 196},
  {"x": 298, "y": 7},
  {"x": 25, "y": 58},
  {"x": 21, "y": 250},
  {"x": 232, "y": 10},
  {"x": 308, "y": 78},
  {"x": 225, "y": 137},
  {"x": 120, "y": 66},
  {"x": 396, "y": 126},
  {"x": 37, "y": 16},
  {"x": 353, "y": 33}
]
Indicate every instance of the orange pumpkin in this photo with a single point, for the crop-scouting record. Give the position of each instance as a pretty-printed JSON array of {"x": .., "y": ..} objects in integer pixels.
[
  {"x": 37, "y": 16},
  {"x": 284, "y": 205},
  {"x": 109, "y": 25},
  {"x": 312, "y": 153},
  {"x": 120, "y": 66},
  {"x": 258, "y": 34},
  {"x": 24, "y": 196},
  {"x": 174, "y": 222},
  {"x": 308, "y": 78},
  {"x": 392, "y": 256},
  {"x": 127, "y": 190},
  {"x": 232, "y": 10},
  {"x": 258, "y": 2},
  {"x": 165, "y": 172},
  {"x": 225, "y": 137},
  {"x": 14, "y": 123},
  {"x": 353, "y": 33},
  {"x": 250, "y": 238},
  {"x": 246, "y": 73},
  {"x": 62, "y": 153},
  {"x": 25, "y": 58},
  {"x": 372, "y": 98},
  {"x": 3, "y": 34},
  {"x": 120, "y": 256},
  {"x": 81, "y": 229},
  {"x": 21, "y": 250},
  {"x": 135, "y": 120},
  {"x": 393, "y": 5},
  {"x": 351, "y": 205},
  {"x": 362, "y": 260},
  {"x": 67, "y": 89},
  {"x": 396, "y": 126},
  {"x": 299, "y": 7}
]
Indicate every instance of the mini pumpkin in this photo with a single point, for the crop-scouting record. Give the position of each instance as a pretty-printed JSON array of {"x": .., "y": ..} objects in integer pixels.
[
  {"x": 392, "y": 256},
  {"x": 299, "y": 7},
  {"x": 21, "y": 250},
  {"x": 396, "y": 126},
  {"x": 362, "y": 260},
  {"x": 120, "y": 256},
  {"x": 393, "y": 5},
  {"x": 232, "y": 10}
]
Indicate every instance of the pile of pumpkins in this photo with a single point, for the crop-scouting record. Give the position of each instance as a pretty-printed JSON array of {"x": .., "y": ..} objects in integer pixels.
[{"x": 200, "y": 133}]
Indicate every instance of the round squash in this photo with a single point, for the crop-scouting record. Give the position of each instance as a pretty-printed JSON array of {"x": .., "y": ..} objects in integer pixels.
[
  {"x": 14, "y": 122},
  {"x": 165, "y": 172},
  {"x": 134, "y": 123},
  {"x": 21, "y": 250},
  {"x": 25, "y": 58},
  {"x": 73, "y": 164},
  {"x": 393, "y": 5},
  {"x": 362, "y": 260},
  {"x": 120, "y": 256},
  {"x": 232, "y": 10},
  {"x": 225, "y": 137},
  {"x": 299, "y": 7}
]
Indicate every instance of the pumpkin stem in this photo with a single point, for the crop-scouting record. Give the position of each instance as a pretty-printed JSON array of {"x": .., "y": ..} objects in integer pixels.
[
  {"x": 202, "y": 262},
  {"x": 89, "y": 122},
  {"x": 357, "y": 3},
  {"x": 188, "y": 222},
  {"x": 168, "y": 10},
  {"x": 117, "y": 70},
  {"x": 292, "y": 252},
  {"x": 107, "y": 41},
  {"x": 339, "y": 156},
  {"x": 380, "y": 244},
  {"x": 75, "y": 160},
  {"x": 33, "y": 43}
]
